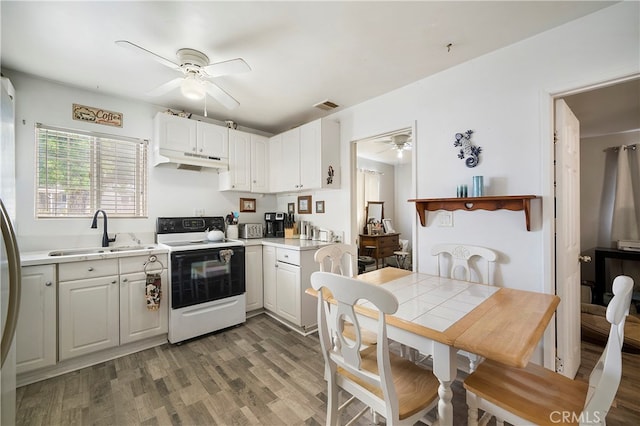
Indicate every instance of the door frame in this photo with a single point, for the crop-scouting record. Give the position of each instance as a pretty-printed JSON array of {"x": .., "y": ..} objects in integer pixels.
[
  {"x": 549, "y": 254},
  {"x": 353, "y": 166}
]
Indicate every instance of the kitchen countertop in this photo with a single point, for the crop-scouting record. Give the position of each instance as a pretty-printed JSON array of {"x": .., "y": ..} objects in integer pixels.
[
  {"x": 43, "y": 258},
  {"x": 294, "y": 243}
]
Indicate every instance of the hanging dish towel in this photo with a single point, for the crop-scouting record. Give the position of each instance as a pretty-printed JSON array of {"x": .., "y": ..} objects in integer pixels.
[
  {"x": 225, "y": 255},
  {"x": 153, "y": 292}
]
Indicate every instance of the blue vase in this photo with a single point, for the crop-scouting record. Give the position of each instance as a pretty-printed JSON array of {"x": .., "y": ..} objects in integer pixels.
[{"x": 478, "y": 186}]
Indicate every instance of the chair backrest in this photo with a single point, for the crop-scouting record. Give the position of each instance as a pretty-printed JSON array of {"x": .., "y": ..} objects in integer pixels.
[
  {"x": 404, "y": 245},
  {"x": 338, "y": 351},
  {"x": 459, "y": 255},
  {"x": 340, "y": 256},
  {"x": 605, "y": 377}
]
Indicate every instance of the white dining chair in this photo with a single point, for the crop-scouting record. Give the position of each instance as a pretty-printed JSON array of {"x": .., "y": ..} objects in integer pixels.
[
  {"x": 395, "y": 388},
  {"x": 536, "y": 395},
  {"x": 338, "y": 259},
  {"x": 460, "y": 258}
]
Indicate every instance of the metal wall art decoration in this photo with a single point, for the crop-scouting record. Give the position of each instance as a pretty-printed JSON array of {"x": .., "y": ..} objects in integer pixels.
[{"x": 463, "y": 140}]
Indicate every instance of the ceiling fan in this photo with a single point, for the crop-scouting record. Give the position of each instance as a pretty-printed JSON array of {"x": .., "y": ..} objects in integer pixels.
[
  {"x": 399, "y": 142},
  {"x": 196, "y": 70}
]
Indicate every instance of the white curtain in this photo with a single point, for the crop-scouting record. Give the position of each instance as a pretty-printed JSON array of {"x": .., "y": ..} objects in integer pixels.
[
  {"x": 620, "y": 208},
  {"x": 368, "y": 182},
  {"x": 624, "y": 224}
]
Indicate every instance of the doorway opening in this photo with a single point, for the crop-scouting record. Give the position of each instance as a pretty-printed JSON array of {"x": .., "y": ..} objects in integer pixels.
[
  {"x": 609, "y": 117},
  {"x": 382, "y": 169}
]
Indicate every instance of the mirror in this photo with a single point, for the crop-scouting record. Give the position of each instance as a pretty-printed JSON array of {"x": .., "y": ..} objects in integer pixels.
[{"x": 374, "y": 212}]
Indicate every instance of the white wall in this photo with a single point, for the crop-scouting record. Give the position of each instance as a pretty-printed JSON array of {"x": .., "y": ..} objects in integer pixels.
[
  {"x": 172, "y": 192},
  {"x": 505, "y": 97}
]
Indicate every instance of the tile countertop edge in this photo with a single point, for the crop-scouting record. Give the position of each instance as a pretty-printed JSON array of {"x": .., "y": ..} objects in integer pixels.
[{"x": 35, "y": 258}]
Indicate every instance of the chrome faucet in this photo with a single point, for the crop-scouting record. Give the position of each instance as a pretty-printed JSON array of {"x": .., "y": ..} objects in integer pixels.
[{"x": 105, "y": 237}]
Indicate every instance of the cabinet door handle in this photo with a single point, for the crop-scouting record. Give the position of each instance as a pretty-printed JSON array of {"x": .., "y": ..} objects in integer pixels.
[
  {"x": 114, "y": 281},
  {"x": 124, "y": 280},
  {"x": 48, "y": 283},
  {"x": 90, "y": 269}
]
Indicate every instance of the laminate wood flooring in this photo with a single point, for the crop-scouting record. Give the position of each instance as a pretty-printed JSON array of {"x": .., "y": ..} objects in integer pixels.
[{"x": 257, "y": 373}]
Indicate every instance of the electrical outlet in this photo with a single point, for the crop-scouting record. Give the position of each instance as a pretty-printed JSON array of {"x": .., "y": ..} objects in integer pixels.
[{"x": 445, "y": 219}]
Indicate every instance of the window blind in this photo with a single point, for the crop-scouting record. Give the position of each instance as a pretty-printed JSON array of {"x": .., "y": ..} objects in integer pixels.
[{"x": 79, "y": 172}]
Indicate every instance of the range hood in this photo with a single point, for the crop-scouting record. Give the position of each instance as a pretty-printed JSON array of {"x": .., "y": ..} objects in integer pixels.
[{"x": 188, "y": 160}]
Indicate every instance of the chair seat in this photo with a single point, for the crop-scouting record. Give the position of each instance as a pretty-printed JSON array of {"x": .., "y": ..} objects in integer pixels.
[
  {"x": 368, "y": 337},
  {"x": 416, "y": 387},
  {"x": 552, "y": 392}
]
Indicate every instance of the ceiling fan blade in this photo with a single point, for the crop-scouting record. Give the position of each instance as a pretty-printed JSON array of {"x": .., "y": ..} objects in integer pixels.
[
  {"x": 134, "y": 47},
  {"x": 166, "y": 87},
  {"x": 220, "y": 95},
  {"x": 232, "y": 66}
]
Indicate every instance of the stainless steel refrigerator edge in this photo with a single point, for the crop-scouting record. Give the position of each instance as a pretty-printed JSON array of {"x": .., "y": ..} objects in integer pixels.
[{"x": 9, "y": 256}]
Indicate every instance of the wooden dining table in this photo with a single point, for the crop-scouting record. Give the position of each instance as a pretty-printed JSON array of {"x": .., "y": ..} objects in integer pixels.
[{"x": 439, "y": 316}]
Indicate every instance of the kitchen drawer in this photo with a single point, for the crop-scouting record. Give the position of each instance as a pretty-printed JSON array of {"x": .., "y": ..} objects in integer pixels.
[
  {"x": 87, "y": 269},
  {"x": 288, "y": 256},
  {"x": 391, "y": 241},
  {"x": 386, "y": 251},
  {"x": 132, "y": 264}
]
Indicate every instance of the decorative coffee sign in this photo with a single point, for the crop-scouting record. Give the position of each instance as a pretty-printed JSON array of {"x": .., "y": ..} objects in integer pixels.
[{"x": 97, "y": 115}]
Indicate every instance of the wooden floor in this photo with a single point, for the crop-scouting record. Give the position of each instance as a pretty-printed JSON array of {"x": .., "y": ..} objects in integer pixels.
[{"x": 257, "y": 373}]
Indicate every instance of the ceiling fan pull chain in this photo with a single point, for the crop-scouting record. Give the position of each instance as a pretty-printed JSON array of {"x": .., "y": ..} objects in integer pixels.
[{"x": 205, "y": 105}]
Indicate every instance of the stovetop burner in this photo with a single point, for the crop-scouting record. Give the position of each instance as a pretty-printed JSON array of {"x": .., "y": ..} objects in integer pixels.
[{"x": 190, "y": 233}]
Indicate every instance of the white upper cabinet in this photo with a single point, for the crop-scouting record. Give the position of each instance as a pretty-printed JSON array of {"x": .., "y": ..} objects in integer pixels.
[
  {"x": 181, "y": 140},
  {"x": 248, "y": 163},
  {"x": 212, "y": 140},
  {"x": 259, "y": 163},
  {"x": 307, "y": 157}
]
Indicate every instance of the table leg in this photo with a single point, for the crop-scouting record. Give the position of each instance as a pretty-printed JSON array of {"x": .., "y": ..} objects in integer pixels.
[{"x": 445, "y": 369}]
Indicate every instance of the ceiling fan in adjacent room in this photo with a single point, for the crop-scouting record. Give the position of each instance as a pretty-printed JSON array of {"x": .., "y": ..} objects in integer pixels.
[
  {"x": 399, "y": 142},
  {"x": 197, "y": 72}
]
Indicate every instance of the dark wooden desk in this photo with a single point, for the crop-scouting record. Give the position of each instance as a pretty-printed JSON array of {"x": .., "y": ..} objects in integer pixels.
[
  {"x": 602, "y": 254},
  {"x": 381, "y": 246}
]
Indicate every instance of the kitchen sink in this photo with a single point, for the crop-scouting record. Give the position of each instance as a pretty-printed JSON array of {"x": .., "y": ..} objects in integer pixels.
[{"x": 99, "y": 250}]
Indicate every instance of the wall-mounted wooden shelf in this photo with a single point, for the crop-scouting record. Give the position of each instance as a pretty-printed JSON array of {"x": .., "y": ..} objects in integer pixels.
[{"x": 506, "y": 202}]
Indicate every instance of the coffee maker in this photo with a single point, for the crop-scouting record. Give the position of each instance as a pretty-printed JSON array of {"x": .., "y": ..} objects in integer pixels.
[{"x": 274, "y": 224}]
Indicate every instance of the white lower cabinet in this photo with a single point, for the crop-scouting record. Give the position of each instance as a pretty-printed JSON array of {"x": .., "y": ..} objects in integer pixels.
[
  {"x": 88, "y": 316},
  {"x": 36, "y": 327},
  {"x": 269, "y": 277},
  {"x": 136, "y": 321},
  {"x": 97, "y": 313},
  {"x": 253, "y": 277},
  {"x": 286, "y": 277},
  {"x": 287, "y": 294}
]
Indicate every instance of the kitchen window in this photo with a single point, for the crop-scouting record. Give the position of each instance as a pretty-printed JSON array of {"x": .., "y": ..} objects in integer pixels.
[{"x": 79, "y": 172}]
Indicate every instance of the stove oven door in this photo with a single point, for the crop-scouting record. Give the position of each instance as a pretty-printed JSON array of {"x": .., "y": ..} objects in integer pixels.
[{"x": 199, "y": 276}]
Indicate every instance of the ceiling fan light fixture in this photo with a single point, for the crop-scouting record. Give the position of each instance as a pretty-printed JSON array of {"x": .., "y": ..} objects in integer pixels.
[{"x": 192, "y": 87}]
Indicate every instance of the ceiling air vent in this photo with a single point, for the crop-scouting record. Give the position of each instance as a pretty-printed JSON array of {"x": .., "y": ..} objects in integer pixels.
[{"x": 326, "y": 105}]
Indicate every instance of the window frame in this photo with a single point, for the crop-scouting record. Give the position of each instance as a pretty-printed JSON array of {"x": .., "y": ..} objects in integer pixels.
[{"x": 137, "y": 176}]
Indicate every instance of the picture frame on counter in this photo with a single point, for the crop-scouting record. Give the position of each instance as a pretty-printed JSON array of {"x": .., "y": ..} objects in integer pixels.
[
  {"x": 388, "y": 226},
  {"x": 319, "y": 206},
  {"x": 304, "y": 204},
  {"x": 247, "y": 204},
  {"x": 291, "y": 208}
]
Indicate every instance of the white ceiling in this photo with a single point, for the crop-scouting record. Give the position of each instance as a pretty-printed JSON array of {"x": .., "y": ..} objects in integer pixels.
[{"x": 301, "y": 53}]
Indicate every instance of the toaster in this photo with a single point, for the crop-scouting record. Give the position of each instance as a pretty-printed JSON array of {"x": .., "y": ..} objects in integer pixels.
[{"x": 251, "y": 230}]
